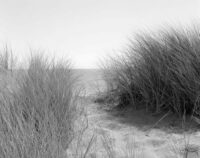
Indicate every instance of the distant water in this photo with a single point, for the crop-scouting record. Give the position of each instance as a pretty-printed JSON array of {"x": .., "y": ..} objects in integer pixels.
[{"x": 91, "y": 80}]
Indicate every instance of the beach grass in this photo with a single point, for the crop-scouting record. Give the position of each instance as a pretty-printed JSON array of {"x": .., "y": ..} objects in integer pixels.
[
  {"x": 39, "y": 111},
  {"x": 159, "y": 71}
]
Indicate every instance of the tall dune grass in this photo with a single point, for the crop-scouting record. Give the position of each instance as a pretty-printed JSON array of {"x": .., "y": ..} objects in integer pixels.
[
  {"x": 38, "y": 114},
  {"x": 7, "y": 59},
  {"x": 159, "y": 71}
]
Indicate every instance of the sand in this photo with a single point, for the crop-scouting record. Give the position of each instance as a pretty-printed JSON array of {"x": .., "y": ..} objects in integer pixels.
[
  {"x": 131, "y": 134},
  {"x": 129, "y": 140}
]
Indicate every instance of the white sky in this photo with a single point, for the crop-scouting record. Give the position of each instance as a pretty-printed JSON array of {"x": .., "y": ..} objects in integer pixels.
[{"x": 85, "y": 30}]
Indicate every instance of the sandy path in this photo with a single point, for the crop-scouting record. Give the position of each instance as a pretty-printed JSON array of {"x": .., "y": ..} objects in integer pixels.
[
  {"x": 119, "y": 138},
  {"x": 130, "y": 141}
]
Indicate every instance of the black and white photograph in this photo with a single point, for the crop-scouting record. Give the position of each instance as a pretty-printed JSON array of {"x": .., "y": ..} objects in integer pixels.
[{"x": 99, "y": 78}]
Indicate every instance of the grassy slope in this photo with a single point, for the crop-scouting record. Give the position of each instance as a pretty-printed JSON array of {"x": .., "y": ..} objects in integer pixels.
[{"x": 159, "y": 72}]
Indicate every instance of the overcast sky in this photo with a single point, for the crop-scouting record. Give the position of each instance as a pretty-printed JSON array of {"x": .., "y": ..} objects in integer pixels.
[{"x": 85, "y": 30}]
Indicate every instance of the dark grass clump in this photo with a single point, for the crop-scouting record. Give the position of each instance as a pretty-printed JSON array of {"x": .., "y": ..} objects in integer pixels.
[
  {"x": 159, "y": 72},
  {"x": 37, "y": 115}
]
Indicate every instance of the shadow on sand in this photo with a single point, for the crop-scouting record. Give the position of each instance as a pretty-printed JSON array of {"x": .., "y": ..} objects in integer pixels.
[{"x": 145, "y": 121}]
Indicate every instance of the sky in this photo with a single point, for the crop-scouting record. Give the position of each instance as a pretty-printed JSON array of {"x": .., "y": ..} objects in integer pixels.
[{"x": 85, "y": 30}]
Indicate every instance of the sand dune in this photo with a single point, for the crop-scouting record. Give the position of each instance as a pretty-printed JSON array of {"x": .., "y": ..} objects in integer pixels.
[
  {"x": 129, "y": 140},
  {"x": 131, "y": 134}
]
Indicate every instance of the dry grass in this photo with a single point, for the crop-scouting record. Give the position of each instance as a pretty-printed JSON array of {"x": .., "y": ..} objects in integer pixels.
[
  {"x": 159, "y": 72},
  {"x": 38, "y": 114},
  {"x": 7, "y": 60}
]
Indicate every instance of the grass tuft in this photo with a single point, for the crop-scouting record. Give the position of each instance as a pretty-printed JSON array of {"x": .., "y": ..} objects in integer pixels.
[
  {"x": 38, "y": 114},
  {"x": 159, "y": 72}
]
